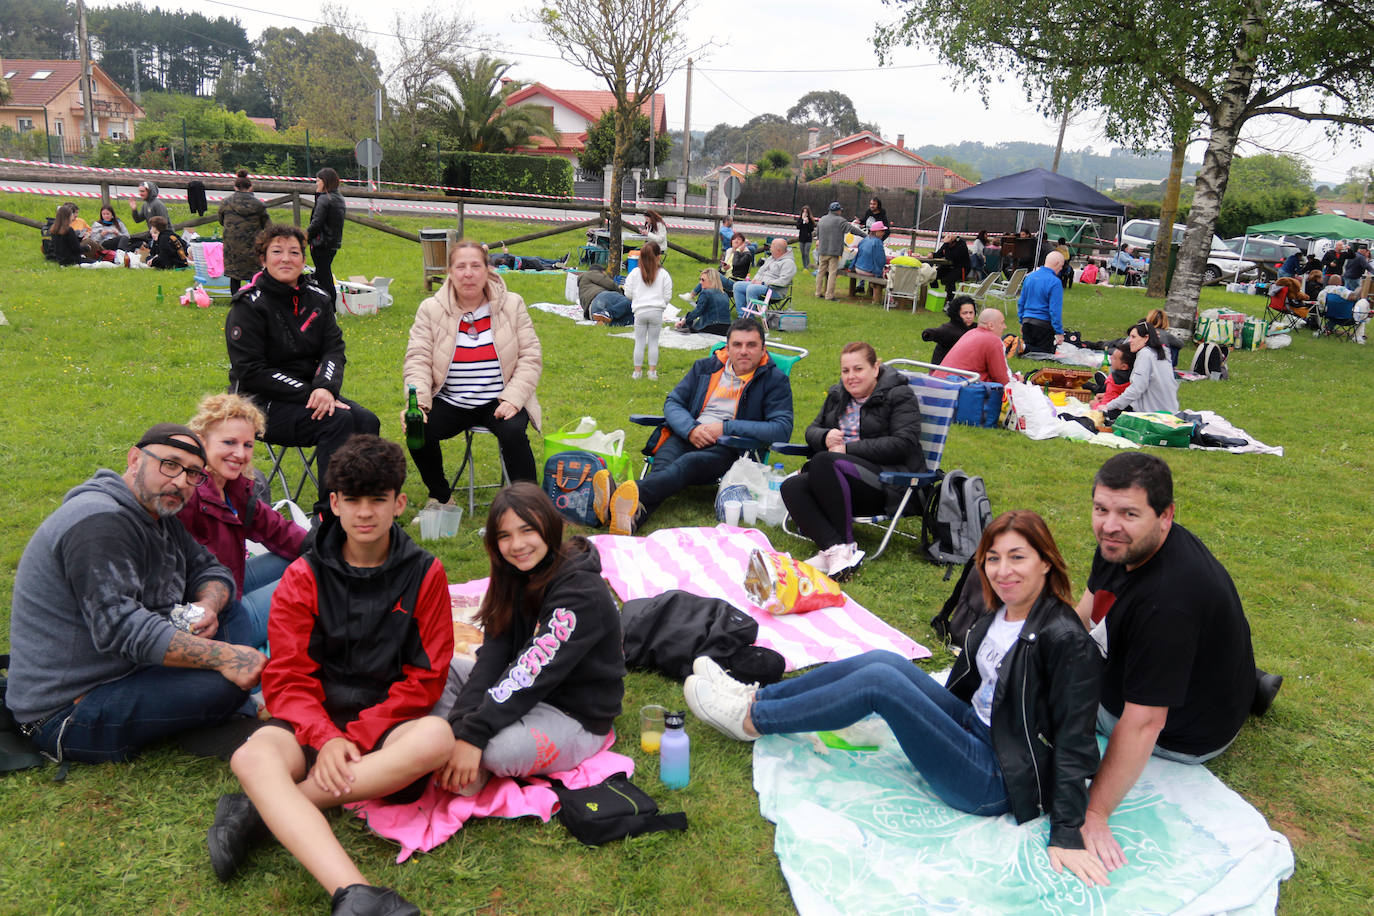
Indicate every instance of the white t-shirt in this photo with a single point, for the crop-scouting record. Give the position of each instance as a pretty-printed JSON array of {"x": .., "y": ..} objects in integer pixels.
[{"x": 1001, "y": 636}]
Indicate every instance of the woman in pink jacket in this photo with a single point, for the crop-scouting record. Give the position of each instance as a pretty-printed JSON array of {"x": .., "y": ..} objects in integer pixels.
[
  {"x": 474, "y": 360},
  {"x": 223, "y": 514}
]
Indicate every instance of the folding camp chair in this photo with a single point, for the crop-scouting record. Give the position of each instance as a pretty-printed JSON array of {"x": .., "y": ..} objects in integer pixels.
[
  {"x": 470, "y": 466},
  {"x": 978, "y": 290},
  {"x": 278, "y": 454},
  {"x": 216, "y": 287},
  {"x": 1338, "y": 318},
  {"x": 1280, "y": 313},
  {"x": 1008, "y": 292},
  {"x": 784, "y": 355},
  {"x": 772, "y": 301},
  {"x": 937, "y": 398},
  {"x": 905, "y": 283}
]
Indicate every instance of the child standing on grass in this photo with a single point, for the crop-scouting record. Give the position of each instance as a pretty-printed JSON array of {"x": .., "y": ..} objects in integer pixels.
[
  {"x": 362, "y": 635},
  {"x": 649, "y": 288}
]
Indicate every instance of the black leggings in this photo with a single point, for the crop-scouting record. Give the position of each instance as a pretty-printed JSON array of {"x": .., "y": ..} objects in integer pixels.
[
  {"x": 447, "y": 421},
  {"x": 824, "y": 498}
]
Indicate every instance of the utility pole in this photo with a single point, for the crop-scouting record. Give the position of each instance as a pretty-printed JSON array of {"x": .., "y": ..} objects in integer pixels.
[
  {"x": 687, "y": 128},
  {"x": 87, "y": 93}
]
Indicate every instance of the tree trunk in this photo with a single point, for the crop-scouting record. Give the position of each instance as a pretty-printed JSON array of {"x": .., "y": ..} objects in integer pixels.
[
  {"x": 624, "y": 124},
  {"x": 1168, "y": 215},
  {"x": 1227, "y": 118}
]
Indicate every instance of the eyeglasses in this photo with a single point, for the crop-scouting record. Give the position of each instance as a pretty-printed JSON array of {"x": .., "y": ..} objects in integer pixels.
[
  {"x": 471, "y": 321},
  {"x": 169, "y": 468}
]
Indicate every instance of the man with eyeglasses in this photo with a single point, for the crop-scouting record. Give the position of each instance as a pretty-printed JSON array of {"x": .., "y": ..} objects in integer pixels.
[{"x": 115, "y": 612}]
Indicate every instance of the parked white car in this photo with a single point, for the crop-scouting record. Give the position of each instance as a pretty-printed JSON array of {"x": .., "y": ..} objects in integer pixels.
[{"x": 1221, "y": 261}]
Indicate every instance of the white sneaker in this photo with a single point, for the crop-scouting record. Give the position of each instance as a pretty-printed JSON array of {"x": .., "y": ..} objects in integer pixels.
[
  {"x": 723, "y": 710},
  {"x": 653, "y": 373},
  {"x": 636, "y": 375},
  {"x": 706, "y": 668},
  {"x": 832, "y": 559},
  {"x": 820, "y": 562},
  {"x": 846, "y": 562}
]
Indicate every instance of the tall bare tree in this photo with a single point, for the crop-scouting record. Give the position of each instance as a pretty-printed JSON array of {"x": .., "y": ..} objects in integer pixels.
[
  {"x": 631, "y": 45},
  {"x": 425, "y": 43}
]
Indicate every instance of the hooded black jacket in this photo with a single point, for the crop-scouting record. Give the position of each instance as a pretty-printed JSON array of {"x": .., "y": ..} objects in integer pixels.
[
  {"x": 567, "y": 653},
  {"x": 1044, "y": 715},
  {"x": 326, "y": 221},
  {"x": 283, "y": 342}
]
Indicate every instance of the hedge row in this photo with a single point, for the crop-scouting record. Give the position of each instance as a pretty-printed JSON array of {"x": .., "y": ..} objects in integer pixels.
[{"x": 518, "y": 175}]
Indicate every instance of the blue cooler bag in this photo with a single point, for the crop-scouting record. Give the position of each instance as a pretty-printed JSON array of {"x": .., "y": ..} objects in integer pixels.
[
  {"x": 568, "y": 482},
  {"x": 979, "y": 404}
]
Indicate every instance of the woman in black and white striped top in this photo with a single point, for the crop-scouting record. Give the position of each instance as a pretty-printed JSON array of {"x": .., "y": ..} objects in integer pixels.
[{"x": 474, "y": 360}]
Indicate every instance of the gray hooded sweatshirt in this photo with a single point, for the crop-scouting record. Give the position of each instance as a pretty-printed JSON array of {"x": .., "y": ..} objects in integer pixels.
[
  {"x": 92, "y": 595},
  {"x": 151, "y": 207}
]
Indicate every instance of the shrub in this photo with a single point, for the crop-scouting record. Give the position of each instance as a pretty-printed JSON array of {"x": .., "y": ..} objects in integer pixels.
[{"x": 508, "y": 174}]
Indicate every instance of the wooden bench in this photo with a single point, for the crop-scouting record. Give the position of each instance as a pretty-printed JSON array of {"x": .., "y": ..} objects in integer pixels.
[{"x": 876, "y": 283}]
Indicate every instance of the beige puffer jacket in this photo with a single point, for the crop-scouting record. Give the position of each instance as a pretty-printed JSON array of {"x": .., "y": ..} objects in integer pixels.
[{"x": 430, "y": 350}]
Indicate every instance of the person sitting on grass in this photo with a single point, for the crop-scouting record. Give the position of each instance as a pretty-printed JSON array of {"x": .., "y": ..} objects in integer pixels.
[
  {"x": 167, "y": 250},
  {"x": 224, "y": 513},
  {"x": 1108, "y": 386},
  {"x": 67, "y": 244},
  {"x": 599, "y": 294},
  {"x": 362, "y": 635},
  {"x": 1012, "y": 730},
  {"x": 963, "y": 317},
  {"x": 548, "y": 680},
  {"x": 981, "y": 350},
  {"x": 1152, "y": 385},
  {"x": 712, "y": 312},
  {"x": 736, "y": 391}
]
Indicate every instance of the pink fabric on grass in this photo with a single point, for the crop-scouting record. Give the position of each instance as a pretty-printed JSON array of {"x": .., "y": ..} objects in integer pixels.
[
  {"x": 438, "y": 814},
  {"x": 712, "y": 561}
]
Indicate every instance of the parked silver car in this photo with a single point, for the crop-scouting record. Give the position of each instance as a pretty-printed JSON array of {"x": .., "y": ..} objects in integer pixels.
[{"x": 1221, "y": 261}]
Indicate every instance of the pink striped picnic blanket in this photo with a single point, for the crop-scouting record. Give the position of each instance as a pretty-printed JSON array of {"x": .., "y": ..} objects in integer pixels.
[{"x": 711, "y": 562}]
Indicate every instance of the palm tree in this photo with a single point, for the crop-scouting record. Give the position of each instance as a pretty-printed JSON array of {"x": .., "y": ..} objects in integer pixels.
[{"x": 473, "y": 116}]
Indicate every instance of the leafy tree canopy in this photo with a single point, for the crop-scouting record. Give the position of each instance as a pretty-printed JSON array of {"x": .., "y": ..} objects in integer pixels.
[
  {"x": 42, "y": 29},
  {"x": 472, "y": 115},
  {"x": 601, "y": 144}
]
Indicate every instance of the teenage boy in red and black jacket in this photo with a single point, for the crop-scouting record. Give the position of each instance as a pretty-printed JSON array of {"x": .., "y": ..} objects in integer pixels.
[{"x": 361, "y": 632}]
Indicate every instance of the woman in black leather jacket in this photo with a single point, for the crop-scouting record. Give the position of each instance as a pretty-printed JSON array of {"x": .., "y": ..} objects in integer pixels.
[
  {"x": 325, "y": 233},
  {"x": 1013, "y": 732}
]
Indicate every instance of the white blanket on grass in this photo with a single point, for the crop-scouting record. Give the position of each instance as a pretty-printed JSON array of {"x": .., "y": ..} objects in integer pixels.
[
  {"x": 712, "y": 561},
  {"x": 861, "y": 833},
  {"x": 673, "y": 339},
  {"x": 562, "y": 311}
]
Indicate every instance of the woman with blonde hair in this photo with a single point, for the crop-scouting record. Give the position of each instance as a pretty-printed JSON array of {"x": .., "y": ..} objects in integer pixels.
[
  {"x": 650, "y": 289},
  {"x": 224, "y": 513}
]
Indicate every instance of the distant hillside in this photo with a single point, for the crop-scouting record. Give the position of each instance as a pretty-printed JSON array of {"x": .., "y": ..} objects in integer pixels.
[{"x": 1085, "y": 165}]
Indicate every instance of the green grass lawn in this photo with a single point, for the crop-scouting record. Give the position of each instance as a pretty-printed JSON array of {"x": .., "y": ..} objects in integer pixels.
[{"x": 90, "y": 359}]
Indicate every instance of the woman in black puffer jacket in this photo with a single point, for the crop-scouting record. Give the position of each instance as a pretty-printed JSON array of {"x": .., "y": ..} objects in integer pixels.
[
  {"x": 870, "y": 423},
  {"x": 325, "y": 234}
]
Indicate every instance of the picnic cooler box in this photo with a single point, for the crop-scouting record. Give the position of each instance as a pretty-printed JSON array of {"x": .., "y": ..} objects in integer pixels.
[
  {"x": 356, "y": 298},
  {"x": 979, "y": 404},
  {"x": 786, "y": 321},
  {"x": 1155, "y": 428},
  {"x": 1068, "y": 382}
]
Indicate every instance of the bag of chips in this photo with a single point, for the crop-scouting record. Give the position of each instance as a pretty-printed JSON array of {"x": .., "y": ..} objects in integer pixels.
[{"x": 780, "y": 585}]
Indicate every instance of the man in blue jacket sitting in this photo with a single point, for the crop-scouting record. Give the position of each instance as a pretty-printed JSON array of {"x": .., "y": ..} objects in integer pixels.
[{"x": 737, "y": 391}]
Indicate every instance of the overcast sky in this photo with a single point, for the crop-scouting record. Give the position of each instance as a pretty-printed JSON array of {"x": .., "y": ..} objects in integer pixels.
[{"x": 753, "y": 68}]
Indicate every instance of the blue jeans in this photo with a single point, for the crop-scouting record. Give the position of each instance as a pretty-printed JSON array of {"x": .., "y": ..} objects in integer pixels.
[
  {"x": 1106, "y": 724},
  {"x": 746, "y": 291},
  {"x": 678, "y": 464},
  {"x": 114, "y": 721},
  {"x": 1351, "y": 283},
  {"x": 940, "y": 734},
  {"x": 245, "y": 623},
  {"x": 614, "y": 305}
]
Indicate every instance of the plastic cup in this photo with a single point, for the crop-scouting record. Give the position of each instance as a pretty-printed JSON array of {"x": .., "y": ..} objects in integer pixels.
[
  {"x": 749, "y": 511},
  {"x": 733, "y": 507},
  {"x": 651, "y": 728},
  {"x": 449, "y": 519},
  {"x": 429, "y": 524}
]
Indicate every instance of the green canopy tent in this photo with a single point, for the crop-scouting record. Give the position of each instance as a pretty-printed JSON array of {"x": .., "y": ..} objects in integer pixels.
[{"x": 1316, "y": 226}]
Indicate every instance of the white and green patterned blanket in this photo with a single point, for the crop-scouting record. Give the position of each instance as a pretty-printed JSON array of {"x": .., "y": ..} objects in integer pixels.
[{"x": 862, "y": 833}]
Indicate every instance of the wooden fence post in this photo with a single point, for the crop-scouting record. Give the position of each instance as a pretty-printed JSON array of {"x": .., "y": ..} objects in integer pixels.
[
  {"x": 104, "y": 194},
  {"x": 460, "y": 219},
  {"x": 296, "y": 208}
]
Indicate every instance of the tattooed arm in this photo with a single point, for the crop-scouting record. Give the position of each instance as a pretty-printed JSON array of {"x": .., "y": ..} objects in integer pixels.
[{"x": 240, "y": 664}]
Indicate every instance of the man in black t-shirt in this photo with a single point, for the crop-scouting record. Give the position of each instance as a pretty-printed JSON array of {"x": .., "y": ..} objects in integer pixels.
[{"x": 1180, "y": 675}]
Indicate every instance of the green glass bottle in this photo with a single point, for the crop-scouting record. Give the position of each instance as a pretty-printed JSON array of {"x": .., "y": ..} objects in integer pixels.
[{"x": 415, "y": 423}]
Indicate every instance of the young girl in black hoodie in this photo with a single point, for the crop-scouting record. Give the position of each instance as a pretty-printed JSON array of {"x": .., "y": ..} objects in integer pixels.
[{"x": 549, "y": 678}]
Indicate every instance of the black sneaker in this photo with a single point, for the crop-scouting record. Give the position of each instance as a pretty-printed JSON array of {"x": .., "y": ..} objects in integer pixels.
[
  {"x": 1266, "y": 688},
  {"x": 237, "y": 829},
  {"x": 367, "y": 900}
]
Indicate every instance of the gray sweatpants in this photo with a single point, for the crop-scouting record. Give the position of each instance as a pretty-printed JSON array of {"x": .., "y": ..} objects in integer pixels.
[{"x": 544, "y": 740}]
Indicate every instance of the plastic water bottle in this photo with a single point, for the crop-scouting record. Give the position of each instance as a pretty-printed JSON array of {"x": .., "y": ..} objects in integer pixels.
[{"x": 674, "y": 752}]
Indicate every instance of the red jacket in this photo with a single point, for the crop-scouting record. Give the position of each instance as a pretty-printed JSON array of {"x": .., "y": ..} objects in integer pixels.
[
  {"x": 355, "y": 651},
  {"x": 222, "y": 531}
]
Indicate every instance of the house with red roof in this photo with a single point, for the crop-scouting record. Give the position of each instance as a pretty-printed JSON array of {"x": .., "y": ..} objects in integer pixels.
[
  {"x": 574, "y": 111},
  {"x": 869, "y": 158},
  {"x": 47, "y": 97}
]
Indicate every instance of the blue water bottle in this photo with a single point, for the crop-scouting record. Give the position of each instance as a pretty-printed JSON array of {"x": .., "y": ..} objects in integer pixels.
[{"x": 674, "y": 752}]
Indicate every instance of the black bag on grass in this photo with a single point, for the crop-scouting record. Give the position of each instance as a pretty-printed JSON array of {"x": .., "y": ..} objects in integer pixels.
[
  {"x": 17, "y": 752},
  {"x": 962, "y": 609},
  {"x": 612, "y": 810}
]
